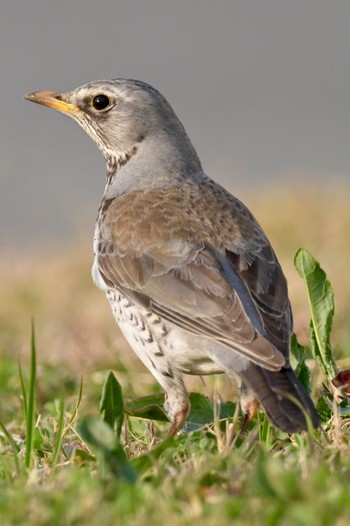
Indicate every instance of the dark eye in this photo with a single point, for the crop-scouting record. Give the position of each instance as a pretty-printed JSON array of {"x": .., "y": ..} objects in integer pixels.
[{"x": 100, "y": 102}]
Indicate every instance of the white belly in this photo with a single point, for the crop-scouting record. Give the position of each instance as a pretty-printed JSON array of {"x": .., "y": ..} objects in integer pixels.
[{"x": 163, "y": 346}]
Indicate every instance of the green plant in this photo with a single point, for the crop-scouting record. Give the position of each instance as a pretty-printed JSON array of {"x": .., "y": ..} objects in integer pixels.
[{"x": 60, "y": 467}]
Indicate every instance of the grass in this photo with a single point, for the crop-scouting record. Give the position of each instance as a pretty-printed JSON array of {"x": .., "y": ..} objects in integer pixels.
[
  {"x": 73, "y": 451},
  {"x": 197, "y": 477}
]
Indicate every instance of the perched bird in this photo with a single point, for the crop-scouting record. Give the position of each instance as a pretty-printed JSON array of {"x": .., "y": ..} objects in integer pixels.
[{"x": 192, "y": 279}]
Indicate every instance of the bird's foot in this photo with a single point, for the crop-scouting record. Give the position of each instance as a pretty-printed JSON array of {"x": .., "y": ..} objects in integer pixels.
[
  {"x": 250, "y": 408},
  {"x": 177, "y": 407}
]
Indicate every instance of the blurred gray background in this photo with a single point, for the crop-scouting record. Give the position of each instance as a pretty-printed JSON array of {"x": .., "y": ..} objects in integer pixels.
[{"x": 262, "y": 87}]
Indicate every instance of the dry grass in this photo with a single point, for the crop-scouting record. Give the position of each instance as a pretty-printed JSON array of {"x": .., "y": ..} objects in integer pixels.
[
  {"x": 73, "y": 320},
  {"x": 266, "y": 477}
]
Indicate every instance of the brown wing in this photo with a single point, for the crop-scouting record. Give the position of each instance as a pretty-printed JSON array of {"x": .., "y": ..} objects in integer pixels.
[{"x": 230, "y": 290}]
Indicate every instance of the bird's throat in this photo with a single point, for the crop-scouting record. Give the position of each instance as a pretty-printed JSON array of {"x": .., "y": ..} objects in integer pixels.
[{"x": 115, "y": 162}]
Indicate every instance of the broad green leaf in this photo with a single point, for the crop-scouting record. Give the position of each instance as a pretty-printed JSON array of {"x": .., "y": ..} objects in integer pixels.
[
  {"x": 324, "y": 409},
  {"x": 150, "y": 407},
  {"x": 201, "y": 412},
  {"x": 321, "y": 301},
  {"x": 102, "y": 439},
  {"x": 120, "y": 465},
  {"x": 111, "y": 404},
  {"x": 297, "y": 359},
  {"x": 97, "y": 433}
]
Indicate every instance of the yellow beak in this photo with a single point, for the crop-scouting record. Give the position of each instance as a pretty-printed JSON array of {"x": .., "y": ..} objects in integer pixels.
[{"x": 52, "y": 100}]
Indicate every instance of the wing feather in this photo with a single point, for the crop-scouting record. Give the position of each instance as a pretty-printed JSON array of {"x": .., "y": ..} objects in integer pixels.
[
  {"x": 200, "y": 298},
  {"x": 206, "y": 267}
]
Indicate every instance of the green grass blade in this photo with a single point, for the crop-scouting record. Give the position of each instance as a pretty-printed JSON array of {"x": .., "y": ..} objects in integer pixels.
[
  {"x": 59, "y": 435},
  {"x": 265, "y": 432},
  {"x": 30, "y": 416},
  {"x": 76, "y": 408},
  {"x": 321, "y": 301},
  {"x": 111, "y": 404},
  {"x": 13, "y": 445},
  {"x": 23, "y": 389}
]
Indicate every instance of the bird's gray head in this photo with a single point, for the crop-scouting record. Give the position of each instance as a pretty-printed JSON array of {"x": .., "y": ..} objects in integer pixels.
[{"x": 120, "y": 115}]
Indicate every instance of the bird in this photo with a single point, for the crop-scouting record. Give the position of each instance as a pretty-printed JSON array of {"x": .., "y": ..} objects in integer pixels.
[{"x": 192, "y": 279}]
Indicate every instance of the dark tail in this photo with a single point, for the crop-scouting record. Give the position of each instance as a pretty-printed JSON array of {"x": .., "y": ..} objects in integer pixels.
[{"x": 275, "y": 392}]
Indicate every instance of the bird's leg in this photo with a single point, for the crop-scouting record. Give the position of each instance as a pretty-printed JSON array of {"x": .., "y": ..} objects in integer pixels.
[
  {"x": 249, "y": 405},
  {"x": 178, "y": 421},
  {"x": 177, "y": 406}
]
